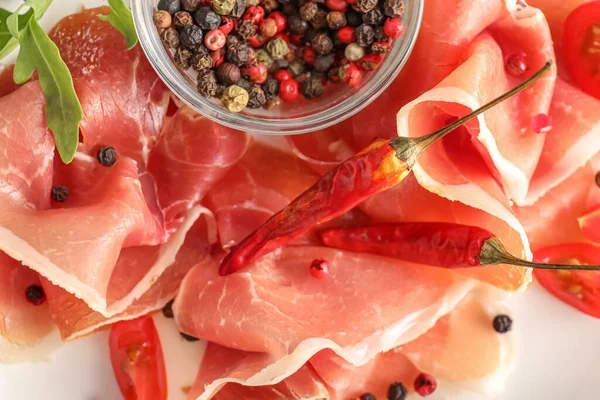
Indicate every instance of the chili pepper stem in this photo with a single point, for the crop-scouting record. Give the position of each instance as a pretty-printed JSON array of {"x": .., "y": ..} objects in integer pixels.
[
  {"x": 493, "y": 253},
  {"x": 408, "y": 149}
]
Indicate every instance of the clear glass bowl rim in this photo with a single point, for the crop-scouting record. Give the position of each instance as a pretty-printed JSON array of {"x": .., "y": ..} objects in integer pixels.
[{"x": 179, "y": 85}]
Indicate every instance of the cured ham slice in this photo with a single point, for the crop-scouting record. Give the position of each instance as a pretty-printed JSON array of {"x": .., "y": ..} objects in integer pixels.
[
  {"x": 133, "y": 281},
  {"x": 22, "y": 324},
  {"x": 465, "y": 336},
  {"x": 277, "y": 310},
  {"x": 191, "y": 154},
  {"x": 124, "y": 102},
  {"x": 7, "y": 84},
  {"x": 261, "y": 189}
]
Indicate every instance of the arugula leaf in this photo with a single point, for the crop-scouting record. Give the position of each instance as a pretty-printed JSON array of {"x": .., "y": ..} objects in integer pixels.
[
  {"x": 120, "y": 17},
  {"x": 38, "y": 6},
  {"x": 7, "y": 42},
  {"x": 63, "y": 110}
]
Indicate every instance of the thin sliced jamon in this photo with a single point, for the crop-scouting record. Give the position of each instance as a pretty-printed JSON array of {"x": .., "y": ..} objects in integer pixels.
[
  {"x": 263, "y": 182},
  {"x": 462, "y": 351},
  {"x": 276, "y": 309},
  {"x": 191, "y": 154},
  {"x": 560, "y": 208},
  {"x": 144, "y": 279},
  {"x": 23, "y": 323},
  {"x": 572, "y": 142},
  {"x": 124, "y": 102},
  {"x": 410, "y": 202},
  {"x": 77, "y": 243}
]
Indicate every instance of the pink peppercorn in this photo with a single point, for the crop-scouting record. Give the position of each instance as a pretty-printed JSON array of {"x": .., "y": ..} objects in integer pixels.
[
  {"x": 217, "y": 57},
  {"x": 257, "y": 40},
  {"x": 282, "y": 75},
  {"x": 319, "y": 268},
  {"x": 346, "y": 35},
  {"x": 283, "y": 36},
  {"x": 215, "y": 39},
  {"x": 296, "y": 39},
  {"x": 516, "y": 64},
  {"x": 336, "y": 5},
  {"x": 280, "y": 20},
  {"x": 256, "y": 73},
  {"x": 227, "y": 25},
  {"x": 254, "y": 14},
  {"x": 309, "y": 55},
  {"x": 393, "y": 28},
  {"x": 425, "y": 384},
  {"x": 289, "y": 90}
]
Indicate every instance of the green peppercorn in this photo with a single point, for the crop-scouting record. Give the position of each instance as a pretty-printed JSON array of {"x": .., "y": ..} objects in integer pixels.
[
  {"x": 354, "y": 52},
  {"x": 262, "y": 57},
  {"x": 277, "y": 48},
  {"x": 200, "y": 61},
  {"x": 312, "y": 88},
  {"x": 182, "y": 58},
  {"x": 235, "y": 98},
  {"x": 223, "y": 7},
  {"x": 170, "y": 38},
  {"x": 296, "y": 67}
]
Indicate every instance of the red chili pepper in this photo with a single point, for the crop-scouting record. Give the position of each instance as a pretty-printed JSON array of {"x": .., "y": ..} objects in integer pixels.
[
  {"x": 380, "y": 166},
  {"x": 440, "y": 244},
  {"x": 579, "y": 289}
]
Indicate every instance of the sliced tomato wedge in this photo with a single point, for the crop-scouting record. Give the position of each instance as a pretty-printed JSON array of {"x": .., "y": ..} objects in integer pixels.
[
  {"x": 581, "y": 46},
  {"x": 589, "y": 223},
  {"x": 579, "y": 289},
  {"x": 137, "y": 359}
]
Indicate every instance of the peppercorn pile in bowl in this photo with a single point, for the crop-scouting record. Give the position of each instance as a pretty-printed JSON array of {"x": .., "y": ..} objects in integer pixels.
[{"x": 277, "y": 59}]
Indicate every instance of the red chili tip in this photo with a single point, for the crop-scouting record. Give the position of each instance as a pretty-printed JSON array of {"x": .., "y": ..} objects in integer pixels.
[
  {"x": 319, "y": 268},
  {"x": 425, "y": 384}
]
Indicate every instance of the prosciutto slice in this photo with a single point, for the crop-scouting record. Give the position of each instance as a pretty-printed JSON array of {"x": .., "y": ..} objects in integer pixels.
[{"x": 463, "y": 336}]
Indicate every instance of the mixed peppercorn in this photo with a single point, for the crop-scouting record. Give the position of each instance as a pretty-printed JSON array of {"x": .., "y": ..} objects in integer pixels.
[{"x": 254, "y": 53}]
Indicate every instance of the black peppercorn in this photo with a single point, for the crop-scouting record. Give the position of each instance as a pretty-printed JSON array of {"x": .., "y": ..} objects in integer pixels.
[
  {"x": 220, "y": 90},
  {"x": 365, "y": 35},
  {"x": 107, "y": 156},
  {"x": 310, "y": 35},
  {"x": 290, "y": 9},
  {"x": 297, "y": 25},
  {"x": 189, "y": 338},
  {"x": 271, "y": 88},
  {"x": 207, "y": 19},
  {"x": 244, "y": 84},
  {"x": 170, "y": 38},
  {"x": 35, "y": 294},
  {"x": 270, "y": 5},
  {"x": 319, "y": 21},
  {"x": 353, "y": 19},
  {"x": 312, "y": 88},
  {"x": 182, "y": 18},
  {"x": 182, "y": 58},
  {"x": 397, "y": 391},
  {"x": 336, "y": 20},
  {"x": 322, "y": 43},
  {"x": 256, "y": 97},
  {"x": 200, "y": 62},
  {"x": 231, "y": 41},
  {"x": 502, "y": 323},
  {"x": 168, "y": 310},
  {"x": 393, "y": 8},
  {"x": 373, "y": 17},
  {"x": 190, "y": 5},
  {"x": 367, "y": 396},
  {"x": 324, "y": 62},
  {"x": 60, "y": 194},
  {"x": 170, "y": 6},
  {"x": 239, "y": 55},
  {"x": 365, "y": 6},
  {"x": 207, "y": 83},
  {"x": 380, "y": 35},
  {"x": 228, "y": 74},
  {"x": 190, "y": 36},
  {"x": 238, "y": 9},
  {"x": 308, "y": 11},
  {"x": 245, "y": 29}
]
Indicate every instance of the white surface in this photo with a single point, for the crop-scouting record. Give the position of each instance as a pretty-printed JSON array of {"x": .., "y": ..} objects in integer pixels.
[{"x": 559, "y": 347}]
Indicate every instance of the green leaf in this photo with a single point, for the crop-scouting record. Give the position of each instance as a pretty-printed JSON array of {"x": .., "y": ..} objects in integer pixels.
[
  {"x": 120, "y": 17},
  {"x": 63, "y": 110},
  {"x": 40, "y": 6},
  {"x": 7, "y": 42}
]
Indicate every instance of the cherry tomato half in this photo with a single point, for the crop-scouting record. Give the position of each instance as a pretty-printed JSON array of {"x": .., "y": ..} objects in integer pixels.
[
  {"x": 137, "y": 359},
  {"x": 581, "y": 46},
  {"x": 589, "y": 223},
  {"x": 579, "y": 289}
]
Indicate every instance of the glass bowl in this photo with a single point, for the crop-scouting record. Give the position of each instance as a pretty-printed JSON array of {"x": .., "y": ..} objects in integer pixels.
[{"x": 337, "y": 104}]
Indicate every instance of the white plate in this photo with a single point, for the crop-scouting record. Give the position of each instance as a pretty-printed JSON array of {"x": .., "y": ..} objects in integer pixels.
[{"x": 560, "y": 356}]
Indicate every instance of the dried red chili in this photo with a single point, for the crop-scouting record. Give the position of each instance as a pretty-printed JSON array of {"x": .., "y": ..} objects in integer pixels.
[
  {"x": 439, "y": 244},
  {"x": 378, "y": 167}
]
